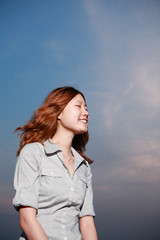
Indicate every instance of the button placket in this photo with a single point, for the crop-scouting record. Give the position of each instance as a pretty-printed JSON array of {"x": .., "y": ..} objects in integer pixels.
[{"x": 71, "y": 190}]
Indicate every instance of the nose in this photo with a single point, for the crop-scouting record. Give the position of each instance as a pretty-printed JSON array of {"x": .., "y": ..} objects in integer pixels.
[{"x": 86, "y": 113}]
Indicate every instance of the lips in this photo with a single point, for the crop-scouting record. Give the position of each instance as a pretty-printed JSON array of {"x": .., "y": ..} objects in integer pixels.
[{"x": 84, "y": 120}]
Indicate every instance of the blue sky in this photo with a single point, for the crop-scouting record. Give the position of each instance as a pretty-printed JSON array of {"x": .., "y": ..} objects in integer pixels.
[{"x": 109, "y": 50}]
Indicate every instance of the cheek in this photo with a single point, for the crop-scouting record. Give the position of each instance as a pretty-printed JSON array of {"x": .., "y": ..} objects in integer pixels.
[
  {"x": 75, "y": 113},
  {"x": 70, "y": 118}
]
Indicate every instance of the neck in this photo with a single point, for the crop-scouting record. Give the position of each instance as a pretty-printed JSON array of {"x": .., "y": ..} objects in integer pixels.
[{"x": 64, "y": 141}]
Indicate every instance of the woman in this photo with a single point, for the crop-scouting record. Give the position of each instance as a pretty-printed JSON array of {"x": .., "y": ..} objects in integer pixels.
[{"x": 52, "y": 177}]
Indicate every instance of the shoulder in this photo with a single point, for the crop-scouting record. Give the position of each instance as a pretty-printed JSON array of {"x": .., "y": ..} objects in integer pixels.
[
  {"x": 31, "y": 152},
  {"x": 32, "y": 148}
]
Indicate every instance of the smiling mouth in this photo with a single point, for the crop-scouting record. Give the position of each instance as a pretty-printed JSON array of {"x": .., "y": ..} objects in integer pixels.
[{"x": 84, "y": 120}]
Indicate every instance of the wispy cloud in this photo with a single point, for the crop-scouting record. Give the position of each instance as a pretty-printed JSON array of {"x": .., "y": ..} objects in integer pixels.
[
  {"x": 129, "y": 92},
  {"x": 140, "y": 101},
  {"x": 102, "y": 188},
  {"x": 136, "y": 91},
  {"x": 147, "y": 88},
  {"x": 56, "y": 50},
  {"x": 140, "y": 169}
]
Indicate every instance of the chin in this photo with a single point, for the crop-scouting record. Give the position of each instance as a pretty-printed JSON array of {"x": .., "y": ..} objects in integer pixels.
[{"x": 82, "y": 131}]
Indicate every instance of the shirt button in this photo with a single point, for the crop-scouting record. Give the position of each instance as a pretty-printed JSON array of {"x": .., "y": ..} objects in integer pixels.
[
  {"x": 65, "y": 238},
  {"x": 63, "y": 226},
  {"x": 71, "y": 188}
]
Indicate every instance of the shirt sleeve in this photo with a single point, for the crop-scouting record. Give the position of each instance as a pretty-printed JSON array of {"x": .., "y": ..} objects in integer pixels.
[
  {"x": 26, "y": 178},
  {"x": 88, "y": 207}
]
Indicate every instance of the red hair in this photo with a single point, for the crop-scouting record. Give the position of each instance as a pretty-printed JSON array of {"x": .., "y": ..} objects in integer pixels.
[{"x": 43, "y": 123}]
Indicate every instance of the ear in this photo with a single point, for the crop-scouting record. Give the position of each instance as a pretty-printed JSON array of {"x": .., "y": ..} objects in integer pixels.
[{"x": 59, "y": 117}]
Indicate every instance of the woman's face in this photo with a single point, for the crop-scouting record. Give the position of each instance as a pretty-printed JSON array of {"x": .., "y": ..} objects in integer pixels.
[{"x": 75, "y": 116}]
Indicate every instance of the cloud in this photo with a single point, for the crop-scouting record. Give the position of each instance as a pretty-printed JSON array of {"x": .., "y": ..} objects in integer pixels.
[
  {"x": 144, "y": 168},
  {"x": 99, "y": 20},
  {"x": 129, "y": 71},
  {"x": 133, "y": 161},
  {"x": 56, "y": 50},
  {"x": 128, "y": 95},
  {"x": 112, "y": 107},
  {"x": 102, "y": 188},
  {"x": 147, "y": 88},
  {"x": 139, "y": 101}
]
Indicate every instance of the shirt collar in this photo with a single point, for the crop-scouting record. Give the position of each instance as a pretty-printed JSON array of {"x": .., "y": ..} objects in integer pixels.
[{"x": 51, "y": 148}]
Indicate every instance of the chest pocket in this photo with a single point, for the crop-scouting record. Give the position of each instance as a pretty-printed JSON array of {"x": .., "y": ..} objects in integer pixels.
[
  {"x": 51, "y": 180},
  {"x": 84, "y": 181}
]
